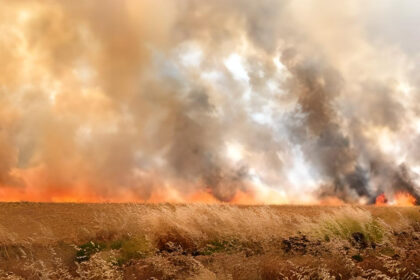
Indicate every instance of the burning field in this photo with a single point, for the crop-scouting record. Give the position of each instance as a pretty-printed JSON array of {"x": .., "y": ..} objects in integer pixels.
[
  {"x": 201, "y": 241},
  {"x": 161, "y": 139}
]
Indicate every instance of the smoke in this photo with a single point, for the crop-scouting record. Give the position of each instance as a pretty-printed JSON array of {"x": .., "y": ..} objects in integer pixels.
[{"x": 238, "y": 101}]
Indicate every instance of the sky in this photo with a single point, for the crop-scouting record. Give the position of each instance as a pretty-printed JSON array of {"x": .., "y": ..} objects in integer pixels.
[{"x": 271, "y": 101}]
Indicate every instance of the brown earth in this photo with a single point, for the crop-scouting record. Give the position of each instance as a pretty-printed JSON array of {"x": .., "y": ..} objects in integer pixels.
[{"x": 198, "y": 241}]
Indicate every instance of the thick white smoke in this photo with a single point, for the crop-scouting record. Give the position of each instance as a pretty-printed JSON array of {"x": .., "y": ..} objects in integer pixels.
[{"x": 245, "y": 101}]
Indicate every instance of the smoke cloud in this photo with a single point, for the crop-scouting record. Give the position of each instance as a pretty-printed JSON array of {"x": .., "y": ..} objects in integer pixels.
[{"x": 270, "y": 101}]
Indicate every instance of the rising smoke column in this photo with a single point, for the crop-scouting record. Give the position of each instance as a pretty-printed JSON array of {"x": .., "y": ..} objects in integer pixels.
[{"x": 267, "y": 102}]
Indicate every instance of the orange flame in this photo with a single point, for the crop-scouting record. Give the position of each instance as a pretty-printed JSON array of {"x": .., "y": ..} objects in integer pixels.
[
  {"x": 39, "y": 189},
  {"x": 400, "y": 199},
  {"x": 404, "y": 199},
  {"x": 381, "y": 200}
]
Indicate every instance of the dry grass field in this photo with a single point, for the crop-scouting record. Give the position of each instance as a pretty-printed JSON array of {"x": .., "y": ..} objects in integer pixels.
[{"x": 198, "y": 241}]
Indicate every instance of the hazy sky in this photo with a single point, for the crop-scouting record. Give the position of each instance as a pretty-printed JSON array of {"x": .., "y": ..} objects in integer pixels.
[{"x": 188, "y": 100}]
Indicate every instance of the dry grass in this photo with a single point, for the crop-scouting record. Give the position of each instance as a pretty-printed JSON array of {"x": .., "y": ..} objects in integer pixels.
[
  {"x": 197, "y": 241},
  {"x": 343, "y": 223}
]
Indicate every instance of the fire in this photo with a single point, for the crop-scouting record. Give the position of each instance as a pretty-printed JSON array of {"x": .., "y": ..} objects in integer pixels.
[
  {"x": 400, "y": 199},
  {"x": 381, "y": 200},
  {"x": 39, "y": 188},
  {"x": 404, "y": 199}
]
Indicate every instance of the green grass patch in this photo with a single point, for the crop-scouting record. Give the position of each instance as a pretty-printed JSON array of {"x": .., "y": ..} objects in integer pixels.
[
  {"x": 84, "y": 251},
  {"x": 342, "y": 227},
  {"x": 128, "y": 247},
  {"x": 116, "y": 244},
  {"x": 357, "y": 258},
  {"x": 388, "y": 251},
  {"x": 133, "y": 248},
  {"x": 216, "y": 246},
  {"x": 219, "y": 246}
]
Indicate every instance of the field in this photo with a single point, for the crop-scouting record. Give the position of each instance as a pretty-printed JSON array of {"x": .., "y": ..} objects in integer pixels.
[{"x": 198, "y": 241}]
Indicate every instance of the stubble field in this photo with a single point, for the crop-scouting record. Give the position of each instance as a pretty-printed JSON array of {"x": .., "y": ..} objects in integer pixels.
[{"x": 198, "y": 241}]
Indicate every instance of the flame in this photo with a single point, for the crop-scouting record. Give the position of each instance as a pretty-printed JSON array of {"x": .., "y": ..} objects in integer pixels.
[
  {"x": 400, "y": 199},
  {"x": 83, "y": 192},
  {"x": 244, "y": 198},
  {"x": 83, "y": 195},
  {"x": 381, "y": 200},
  {"x": 404, "y": 199}
]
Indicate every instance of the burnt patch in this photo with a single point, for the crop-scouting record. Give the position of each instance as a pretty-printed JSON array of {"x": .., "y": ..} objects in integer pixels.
[
  {"x": 358, "y": 240},
  {"x": 176, "y": 243},
  {"x": 301, "y": 245}
]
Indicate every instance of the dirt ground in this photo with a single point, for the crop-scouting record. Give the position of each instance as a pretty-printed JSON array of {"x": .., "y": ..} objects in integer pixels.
[{"x": 198, "y": 241}]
